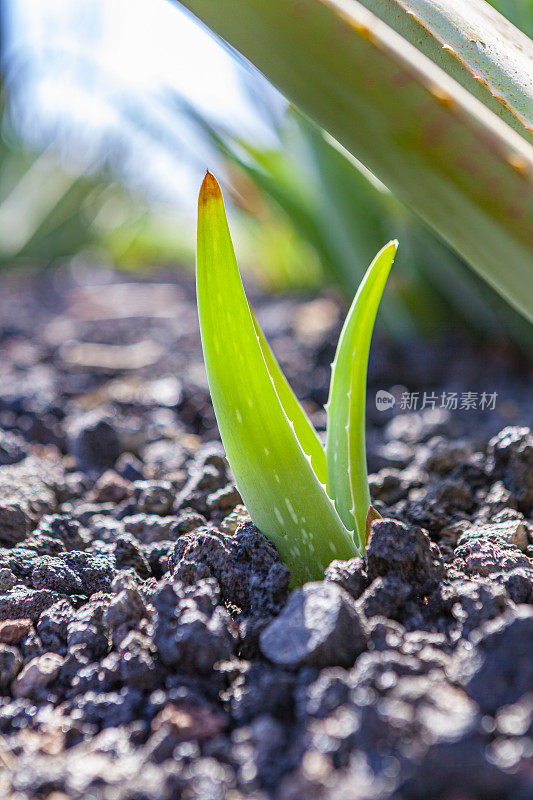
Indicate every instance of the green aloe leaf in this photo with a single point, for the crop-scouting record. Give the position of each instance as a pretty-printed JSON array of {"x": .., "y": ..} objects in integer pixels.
[
  {"x": 272, "y": 469},
  {"x": 474, "y": 44},
  {"x": 467, "y": 173},
  {"x": 345, "y": 448},
  {"x": 303, "y": 428}
]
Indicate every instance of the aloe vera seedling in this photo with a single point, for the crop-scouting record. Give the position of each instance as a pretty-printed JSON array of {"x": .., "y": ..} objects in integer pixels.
[{"x": 312, "y": 503}]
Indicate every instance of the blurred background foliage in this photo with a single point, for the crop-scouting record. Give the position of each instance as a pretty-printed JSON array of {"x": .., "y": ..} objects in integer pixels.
[{"x": 306, "y": 214}]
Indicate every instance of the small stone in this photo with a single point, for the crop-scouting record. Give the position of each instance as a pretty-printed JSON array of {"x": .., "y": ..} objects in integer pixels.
[
  {"x": 64, "y": 529},
  {"x": 479, "y": 556},
  {"x": 26, "y": 603},
  {"x": 498, "y": 670},
  {"x": 10, "y": 663},
  {"x": 124, "y": 613},
  {"x": 245, "y": 564},
  {"x": 149, "y": 528},
  {"x": 111, "y": 488},
  {"x": 513, "y": 532},
  {"x": 14, "y": 523},
  {"x": 406, "y": 551},
  {"x": 13, "y": 448},
  {"x": 128, "y": 555},
  {"x": 384, "y": 597},
  {"x": 8, "y": 579},
  {"x": 52, "y": 573},
  {"x": 188, "y": 521},
  {"x": 319, "y": 626},
  {"x": 153, "y": 497},
  {"x": 348, "y": 574},
  {"x": 238, "y": 516},
  {"x": 190, "y": 630},
  {"x": 512, "y": 451},
  {"x": 95, "y": 442},
  {"x": 224, "y": 499},
  {"x": 130, "y": 467},
  {"x": 12, "y": 631},
  {"x": 189, "y": 722},
  {"x": 38, "y": 672}
]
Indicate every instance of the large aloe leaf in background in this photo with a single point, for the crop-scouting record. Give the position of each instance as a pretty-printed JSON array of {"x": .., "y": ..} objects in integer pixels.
[
  {"x": 435, "y": 144},
  {"x": 475, "y": 45}
]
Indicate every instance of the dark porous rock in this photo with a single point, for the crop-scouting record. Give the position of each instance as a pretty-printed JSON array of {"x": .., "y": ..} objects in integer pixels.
[
  {"x": 518, "y": 584},
  {"x": 87, "y": 639},
  {"x": 27, "y": 492},
  {"x": 13, "y": 448},
  {"x": 509, "y": 533},
  {"x": 24, "y": 602},
  {"x": 53, "y": 625},
  {"x": 498, "y": 669},
  {"x": 8, "y": 579},
  {"x": 188, "y": 521},
  {"x": 512, "y": 451},
  {"x": 388, "y": 486},
  {"x": 331, "y": 689},
  {"x": 261, "y": 749},
  {"x": 190, "y": 630},
  {"x": 208, "y": 474},
  {"x": 10, "y": 664},
  {"x": 137, "y": 665},
  {"x": 224, "y": 499},
  {"x": 153, "y": 497},
  {"x": 96, "y": 571},
  {"x": 157, "y": 556},
  {"x": 319, "y": 626},
  {"x": 442, "y": 456},
  {"x": 384, "y": 597},
  {"x": 245, "y": 564},
  {"x": 64, "y": 529},
  {"x": 128, "y": 554},
  {"x": 129, "y": 467},
  {"x": 472, "y": 603},
  {"x": 438, "y": 501},
  {"x": 52, "y": 573},
  {"x": 149, "y": 528},
  {"x": 94, "y": 442},
  {"x": 406, "y": 551},
  {"x": 19, "y": 560},
  {"x": 483, "y": 557},
  {"x": 13, "y": 631},
  {"x": 454, "y": 763},
  {"x": 262, "y": 690},
  {"x": 349, "y": 574},
  {"x": 124, "y": 613},
  {"x": 73, "y": 573}
]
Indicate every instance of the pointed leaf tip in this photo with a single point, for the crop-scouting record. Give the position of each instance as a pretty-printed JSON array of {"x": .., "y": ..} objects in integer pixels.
[{"x": 210, "y": 190}]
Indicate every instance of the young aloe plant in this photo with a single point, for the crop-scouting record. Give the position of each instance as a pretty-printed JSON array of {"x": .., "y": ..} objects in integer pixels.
[{"x": 312, "y": 504}]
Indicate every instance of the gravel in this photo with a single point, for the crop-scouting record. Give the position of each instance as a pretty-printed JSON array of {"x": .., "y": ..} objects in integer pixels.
[{"x": 151, "y": 643}]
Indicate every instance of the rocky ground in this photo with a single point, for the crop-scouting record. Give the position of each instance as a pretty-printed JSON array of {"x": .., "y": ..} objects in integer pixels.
[{"x": 150, "y": 647}]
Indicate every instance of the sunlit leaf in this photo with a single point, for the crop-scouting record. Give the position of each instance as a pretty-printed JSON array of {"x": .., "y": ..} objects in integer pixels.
[
  {"x": 345, "y": 448},
  {"x": 273, "y": 472}
]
